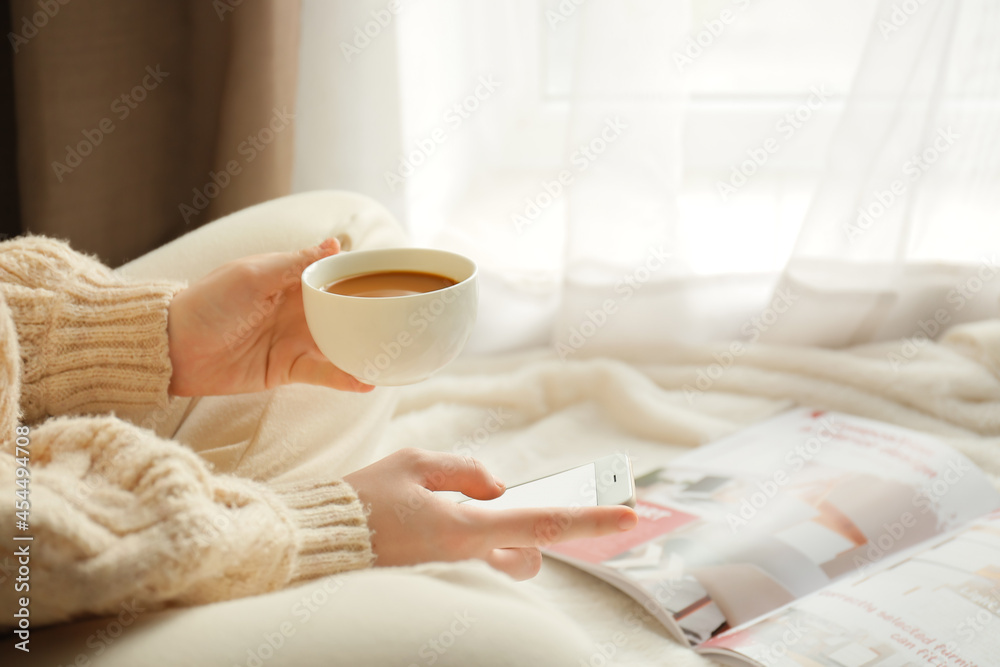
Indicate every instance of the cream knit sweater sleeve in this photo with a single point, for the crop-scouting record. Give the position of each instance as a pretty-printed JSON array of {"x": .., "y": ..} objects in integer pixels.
[
  {"x": 118, "y": 515},
  {"x": 89, "y": 341}
]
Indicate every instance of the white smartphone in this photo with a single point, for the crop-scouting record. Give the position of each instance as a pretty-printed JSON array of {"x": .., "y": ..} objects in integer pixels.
[{"x": 606, "y": 481}]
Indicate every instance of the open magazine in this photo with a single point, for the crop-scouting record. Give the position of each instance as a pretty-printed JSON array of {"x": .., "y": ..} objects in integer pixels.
[{"x": 815, "y": 538}]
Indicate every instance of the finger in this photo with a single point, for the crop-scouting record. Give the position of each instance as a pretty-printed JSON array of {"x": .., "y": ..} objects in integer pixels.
[
  {"x": 282, "y": 270},
  {"x": 519, "y": 564},
  {"x": 313, "y": 369},
  {"x": 542, "y": 527},
  {"x": 294, "y": 263},
  {"x": 307, "y": 256},
  {"x": 441, "y": 471},
  {"x": 330, "y": 245}
]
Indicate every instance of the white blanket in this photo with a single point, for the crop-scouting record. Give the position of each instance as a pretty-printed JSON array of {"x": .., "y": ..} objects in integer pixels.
[
  {"x": 535, "y": 413},
  {"x": 532, "y": 413}
]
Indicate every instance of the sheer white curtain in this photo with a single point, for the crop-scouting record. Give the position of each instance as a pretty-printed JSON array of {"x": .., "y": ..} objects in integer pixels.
[{"x": 630, "y": 172}]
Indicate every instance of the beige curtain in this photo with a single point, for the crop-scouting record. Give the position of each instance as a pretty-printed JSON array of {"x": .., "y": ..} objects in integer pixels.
[{"x": 139, "y": 120}]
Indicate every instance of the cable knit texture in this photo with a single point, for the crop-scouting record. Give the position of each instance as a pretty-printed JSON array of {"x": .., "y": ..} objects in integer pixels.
[{"x": 118, "y": 515}]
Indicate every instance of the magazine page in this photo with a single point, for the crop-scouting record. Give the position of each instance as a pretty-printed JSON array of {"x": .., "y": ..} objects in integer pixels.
[
  {"x": 937, "y": 608},
  {"x": 757, "y": 520}
]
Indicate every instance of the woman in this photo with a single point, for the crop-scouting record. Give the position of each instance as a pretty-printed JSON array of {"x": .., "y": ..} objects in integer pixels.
[{"x": 118, "y": 514}]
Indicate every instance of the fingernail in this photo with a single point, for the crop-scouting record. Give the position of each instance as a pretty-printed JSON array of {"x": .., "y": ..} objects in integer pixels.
[
  {"x": 628, "y": 521},
  {"x": 361, "y": 386},
  {"x": 496, "y": 480}
]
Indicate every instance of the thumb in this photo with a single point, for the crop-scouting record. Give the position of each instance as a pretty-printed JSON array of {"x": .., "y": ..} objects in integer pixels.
[
  {"x": 282, "y": 270},
  {"x": 451, "y": 472},
  {"x": 303, "y": 258},
  {"x": 316, "y": 369}
]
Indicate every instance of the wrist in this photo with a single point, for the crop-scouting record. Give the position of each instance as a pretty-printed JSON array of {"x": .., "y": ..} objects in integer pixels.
[
  {"x": 174, "y": 385},
  {"x": 333, "y": 532}
]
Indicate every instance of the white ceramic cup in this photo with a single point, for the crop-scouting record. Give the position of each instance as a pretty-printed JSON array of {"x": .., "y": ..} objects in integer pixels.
[{"x": 395, "y": 340}]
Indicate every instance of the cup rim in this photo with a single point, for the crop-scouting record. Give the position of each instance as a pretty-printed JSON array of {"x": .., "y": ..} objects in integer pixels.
[{"x": 384, "y": 251}]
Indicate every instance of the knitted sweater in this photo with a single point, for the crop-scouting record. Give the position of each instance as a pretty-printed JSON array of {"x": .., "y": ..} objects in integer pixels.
[{"x": 118, "y": 514}]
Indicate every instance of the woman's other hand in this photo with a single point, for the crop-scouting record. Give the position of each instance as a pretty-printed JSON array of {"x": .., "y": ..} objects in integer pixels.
[
  {"x": 412, "y": 524},
  {"x": 242, "y": 329}
]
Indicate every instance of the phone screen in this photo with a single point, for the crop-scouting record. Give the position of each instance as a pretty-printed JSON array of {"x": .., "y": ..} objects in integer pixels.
[{"x": 571, "y": 488}]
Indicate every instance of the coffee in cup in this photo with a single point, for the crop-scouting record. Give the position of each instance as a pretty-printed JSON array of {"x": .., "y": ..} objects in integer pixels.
[{"x": 389, "y": 283}]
